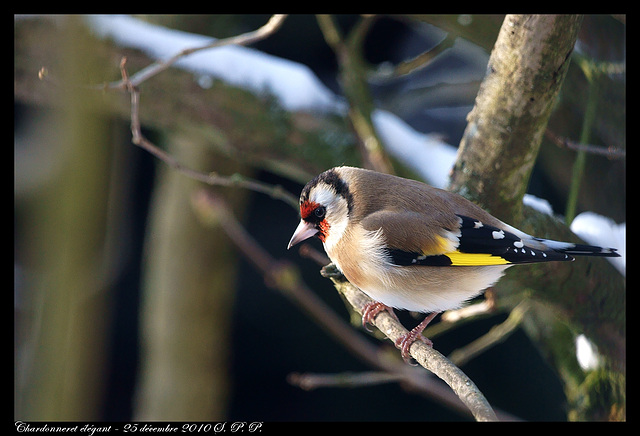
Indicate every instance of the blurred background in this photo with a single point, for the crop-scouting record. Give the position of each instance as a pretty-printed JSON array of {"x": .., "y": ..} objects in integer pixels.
[{"x": 129, "y": 305}]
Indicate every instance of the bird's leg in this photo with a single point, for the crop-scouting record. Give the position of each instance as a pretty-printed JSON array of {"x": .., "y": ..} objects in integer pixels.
[
  {"x": 371, "y": 310},
  {"x": 405, "y": 341}
]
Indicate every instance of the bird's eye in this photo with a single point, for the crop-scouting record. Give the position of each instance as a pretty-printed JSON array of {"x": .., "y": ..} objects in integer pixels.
[{"x": 320, "y": 212}]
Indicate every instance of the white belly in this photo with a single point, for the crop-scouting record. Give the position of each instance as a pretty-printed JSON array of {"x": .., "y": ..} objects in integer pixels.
[
  {"x": 424, "y": 288},
  {"x": 433, "y": 289}
]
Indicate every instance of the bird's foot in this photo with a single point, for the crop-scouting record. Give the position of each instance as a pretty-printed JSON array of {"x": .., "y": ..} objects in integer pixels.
[
  {"x": 371, "y": 310},
  {"x": 405, "y": 341}
]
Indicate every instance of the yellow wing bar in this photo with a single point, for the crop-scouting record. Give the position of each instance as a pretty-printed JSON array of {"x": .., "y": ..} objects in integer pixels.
[{"x": 475, "y": 259}]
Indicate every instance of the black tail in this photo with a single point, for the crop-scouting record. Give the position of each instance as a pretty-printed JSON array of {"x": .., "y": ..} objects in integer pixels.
[
  {"x": 579, "y": 249},
  {"x": 592, "y": 250}
]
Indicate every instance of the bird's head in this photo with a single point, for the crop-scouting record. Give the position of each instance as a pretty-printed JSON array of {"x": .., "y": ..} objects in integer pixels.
[{"x": 325, "y": 204}]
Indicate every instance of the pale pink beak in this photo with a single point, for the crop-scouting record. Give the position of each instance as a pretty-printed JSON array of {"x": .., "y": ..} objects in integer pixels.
[{"x": 303, "y": 231}]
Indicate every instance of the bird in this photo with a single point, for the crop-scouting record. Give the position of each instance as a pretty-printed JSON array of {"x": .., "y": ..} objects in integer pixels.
[{"x": 411, "y": 246}]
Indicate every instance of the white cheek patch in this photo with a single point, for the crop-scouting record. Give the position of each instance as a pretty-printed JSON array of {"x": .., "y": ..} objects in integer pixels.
[
  {"x": 337, "y": 213},
  {"x": 335, "y": 232}
]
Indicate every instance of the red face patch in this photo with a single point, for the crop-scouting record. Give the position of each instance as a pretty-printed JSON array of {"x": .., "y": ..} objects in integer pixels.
[
  {"x": 324, "y": 230},
  {"x": 308, "y": 213},
  {"x": 307, "y": 208}
]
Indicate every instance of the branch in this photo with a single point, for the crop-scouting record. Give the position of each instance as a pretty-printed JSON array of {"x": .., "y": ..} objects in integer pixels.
[
  {"x": 497, "y": 334},
  {"x": 386, "y": 74},
  {"x": 353, "y": 77},
  {"x": 579, "y": 164},
  {"x": 130, "y": 84},
  {"x": 310, "y": 381},
  {"x": 268, "y": 29},
  {"x": 236, "y": 122},
  {"x": 427, "y": 357},
  {"x": 610, "y": 152},
  {"x": 210, "y": 178}
]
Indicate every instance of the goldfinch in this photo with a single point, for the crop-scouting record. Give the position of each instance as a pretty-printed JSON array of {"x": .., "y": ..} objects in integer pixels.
[{"x": 412, "y": 246}]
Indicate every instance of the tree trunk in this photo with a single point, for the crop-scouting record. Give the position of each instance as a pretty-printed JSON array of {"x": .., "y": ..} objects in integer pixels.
[
  {"x": 189, "y": 283},
  {"x": 62, "y": 325},
  {"x": 504, "y": 131},
  {"x": 495, "y": 160}
]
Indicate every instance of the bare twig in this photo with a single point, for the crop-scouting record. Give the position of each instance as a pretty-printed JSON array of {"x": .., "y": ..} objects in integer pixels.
[
  {"x": 610, "y": 152},
  {"x": 130, "y": 84},
  {"x": 417, "y": 63},
  {"x": 494, "y": 336},
  {"x": 211, "y": 178},
  {"x": 268, "y": 29},
  {"x": 455, "y": 318},
  {"x": 465, "y": 312},
  {"x": 348, "y": 53},
  {"x": 309, "y": 252},
  {"x": 157, "y": 67},
  {"x": 310, "y": 381}
]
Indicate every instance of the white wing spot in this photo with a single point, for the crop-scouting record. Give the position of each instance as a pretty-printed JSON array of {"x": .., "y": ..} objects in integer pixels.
[
  {"x": 421, "y": 257},
  {"x": 518, "y": 244},
  {"x": 477, "y": 224},
  {"x": 498, "y": 235}
]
